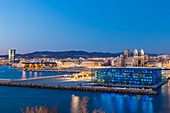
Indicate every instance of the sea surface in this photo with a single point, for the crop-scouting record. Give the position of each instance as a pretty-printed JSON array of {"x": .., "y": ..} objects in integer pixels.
[
  {"x": 13, "y": 99},
  {"x": 6, "y": 72}
]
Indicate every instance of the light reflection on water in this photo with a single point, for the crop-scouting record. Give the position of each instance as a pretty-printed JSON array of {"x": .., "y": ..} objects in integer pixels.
[
  {"x": 75, "y": 104},
  {"x": 23, "y": 75},
  {"x": 118, "y": 103},
  {"x": 30, "y": 74},
  {"x": 7, "y": 72},
  {"x": 133, "y": 103},
  {"x": 67, "y": 101},
  {"x": 35, "y": 74},
  {"x": 147, "y": 104}
]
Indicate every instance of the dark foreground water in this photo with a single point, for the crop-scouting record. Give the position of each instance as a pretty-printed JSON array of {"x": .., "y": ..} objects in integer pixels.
[
  {"x": 14, "y": 98},
  {"x": 7, "y": 72}
]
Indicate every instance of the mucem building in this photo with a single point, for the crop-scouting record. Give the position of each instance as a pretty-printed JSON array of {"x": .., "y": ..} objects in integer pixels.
[{"x": 129, "y": 76}]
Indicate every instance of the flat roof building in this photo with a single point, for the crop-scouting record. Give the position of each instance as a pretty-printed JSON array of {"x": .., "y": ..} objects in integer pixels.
[{"x": 130, "y": 76}]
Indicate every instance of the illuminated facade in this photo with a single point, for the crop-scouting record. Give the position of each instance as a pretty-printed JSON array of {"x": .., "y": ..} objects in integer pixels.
[
  {"x": 91, "y": 64},
  {"x": 129, "y": 76},
  {"x": 35, "y": 65},
  {"x": 66, "y": 64},
  {"x": 136, "y": 60}
]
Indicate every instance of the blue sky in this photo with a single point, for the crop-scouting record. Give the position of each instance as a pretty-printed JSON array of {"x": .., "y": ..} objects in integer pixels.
[{"x": 90, "y": 25}]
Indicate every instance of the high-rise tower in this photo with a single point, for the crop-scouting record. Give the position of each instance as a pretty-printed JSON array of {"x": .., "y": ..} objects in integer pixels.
[{"x": 11, "y": 55}]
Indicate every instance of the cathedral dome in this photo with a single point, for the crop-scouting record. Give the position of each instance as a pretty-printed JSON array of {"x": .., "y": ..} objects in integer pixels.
[
  {"x": 135, "y": 52},
  {"x": 121, "y": 56},
  {"x": 127, "y": 52},
  {"x": 142, "y": 53}
]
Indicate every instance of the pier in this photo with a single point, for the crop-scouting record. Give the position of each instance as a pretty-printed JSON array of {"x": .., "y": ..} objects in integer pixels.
[{"x": 80, "y": 88}]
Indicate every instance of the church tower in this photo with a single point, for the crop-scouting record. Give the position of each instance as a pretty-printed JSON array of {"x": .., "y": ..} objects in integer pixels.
[
  {"x": 142, "y": 52},
  {"x": 135, "y": 58},
  {"x": 139, "y": 60},
  {"x": 127, "y": 53},
  {"x": 142, "y": 58},
  {"x": 135, "y": 53},
  {"x": 122, "y": 61}
]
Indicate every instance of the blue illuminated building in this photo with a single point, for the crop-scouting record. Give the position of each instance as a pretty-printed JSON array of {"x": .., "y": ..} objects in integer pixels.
[{"x": 129, "y": 76}]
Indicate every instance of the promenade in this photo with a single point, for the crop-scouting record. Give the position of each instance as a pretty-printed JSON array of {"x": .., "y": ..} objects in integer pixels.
[{"x": 75, "y": 70}]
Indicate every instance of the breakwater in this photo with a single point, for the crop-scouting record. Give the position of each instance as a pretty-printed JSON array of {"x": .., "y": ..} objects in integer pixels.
[{"x": 80, "y": 88}]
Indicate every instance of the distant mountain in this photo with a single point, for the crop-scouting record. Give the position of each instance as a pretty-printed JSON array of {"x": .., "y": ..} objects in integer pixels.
[
  {"x": 69, "y": 54},
  {"x": 152, "y": 54}
]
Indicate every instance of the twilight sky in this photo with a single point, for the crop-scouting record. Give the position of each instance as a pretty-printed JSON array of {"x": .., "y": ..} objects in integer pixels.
[{"x": 90, "y": 25}]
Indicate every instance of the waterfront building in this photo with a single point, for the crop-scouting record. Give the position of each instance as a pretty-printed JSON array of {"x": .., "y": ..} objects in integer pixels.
[
  {"x": 11, "y": 55},
  {"x": 130, "y": 76},
  {"x": 160, "y": 61},
  {"x": 69, "y": 63},
  {"x": 91, "y": 63},
  {"x": 35, "y": 65},
  {"x": 3, "y": 61},
  {"x": 32, "y": 65}
]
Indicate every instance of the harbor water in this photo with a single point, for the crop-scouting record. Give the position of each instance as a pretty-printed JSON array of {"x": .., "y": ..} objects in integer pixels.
[{"x": 13, "y": 99}]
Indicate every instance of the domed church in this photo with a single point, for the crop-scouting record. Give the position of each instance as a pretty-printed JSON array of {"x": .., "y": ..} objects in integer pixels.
[{"x": 135, "y": 60}]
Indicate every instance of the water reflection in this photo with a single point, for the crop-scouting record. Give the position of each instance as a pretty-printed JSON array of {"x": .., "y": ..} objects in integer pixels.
[
  {"x": 30, "y": 74},
  {"x": 147, "y": 104},
  {"x": 75, "y": 104},
  {"x": 133, "y": 103},
  {"x": 106, "y": 98},
  {"x": 11, "y": 73},
  {"x": 35, "y": 74},
  {"x": 23, "y": 75},
  {"x": 168, "y": 93},
  {"x": 40, "y": 74},
  {"x": 118, "y": 103},
  {"x": 168, "y": 88}
]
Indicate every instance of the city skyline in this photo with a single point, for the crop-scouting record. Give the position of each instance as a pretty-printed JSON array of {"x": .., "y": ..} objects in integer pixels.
[
  {"x": 110, "y": 26},
  {"x": 99, "y": 52}
]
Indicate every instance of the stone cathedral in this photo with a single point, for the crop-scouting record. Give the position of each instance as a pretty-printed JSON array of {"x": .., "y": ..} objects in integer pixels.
[{"x": 135, "y": 60}]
